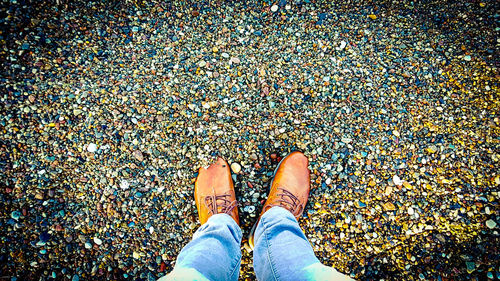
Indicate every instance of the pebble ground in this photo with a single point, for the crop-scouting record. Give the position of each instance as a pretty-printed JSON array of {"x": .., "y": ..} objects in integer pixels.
[{"x": 109, "y": 107}]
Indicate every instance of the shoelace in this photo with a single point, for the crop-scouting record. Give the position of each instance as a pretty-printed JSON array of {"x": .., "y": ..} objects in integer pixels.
[
  {"x": 289, "y": 201},
  {"x": 226, "y": 205}
]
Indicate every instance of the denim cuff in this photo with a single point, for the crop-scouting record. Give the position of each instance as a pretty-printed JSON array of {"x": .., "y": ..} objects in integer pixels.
[
  {"x": 225, "y": 219},
  {"x": 277, "y": 212}
]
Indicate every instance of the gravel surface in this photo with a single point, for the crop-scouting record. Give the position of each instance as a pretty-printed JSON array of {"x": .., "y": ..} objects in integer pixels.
[{"x": 108, "y": 109}]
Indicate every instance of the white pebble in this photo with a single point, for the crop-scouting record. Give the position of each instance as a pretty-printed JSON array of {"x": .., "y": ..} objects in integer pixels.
[
  {"x": 251, "y": 209},
  {"x": 92, "y": 147},
  {"x": 274, "y": 8},
  {"x": 397, "y": 180},
  {"x": 235, "y": 167},
  {"x": 491, "y": 224},
  {"x": 124, "y": 184},
  {"x": 235, "y": 60},
  {"x": 342, "y": 45},
  {"x": 97, "y": 241}
]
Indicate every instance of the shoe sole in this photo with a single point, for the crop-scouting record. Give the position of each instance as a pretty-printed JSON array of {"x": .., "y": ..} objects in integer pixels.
[{"x": 254, "y": 227}]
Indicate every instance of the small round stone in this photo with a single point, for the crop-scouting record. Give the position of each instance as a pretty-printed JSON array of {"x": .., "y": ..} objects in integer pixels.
[
  {"x": 92, "y": 148},
  {"x": 397, "y": 180},
  {"x": 235, "y": 167},
  {"x": 491, "y": 224},
  {"x": 97, "y": 241}
]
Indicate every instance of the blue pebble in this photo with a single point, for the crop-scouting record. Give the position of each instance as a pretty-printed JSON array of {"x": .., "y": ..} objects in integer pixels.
[
  {"x": 471, "y": 266},
  {"x": 15, "y": 215},
  {"x": 335, "y": 157},
  {"x": 361, "y": 204},
  {"x": 44, "y": 237}
]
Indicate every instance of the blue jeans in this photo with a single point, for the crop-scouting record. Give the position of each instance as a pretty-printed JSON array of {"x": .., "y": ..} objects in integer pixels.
[{"x": 282, "y": 251}]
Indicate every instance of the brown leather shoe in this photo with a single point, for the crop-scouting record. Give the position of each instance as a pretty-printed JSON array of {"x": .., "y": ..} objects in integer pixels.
[
  {"x": 214, "y": 192},
  {"x": 289, "y": 188}
]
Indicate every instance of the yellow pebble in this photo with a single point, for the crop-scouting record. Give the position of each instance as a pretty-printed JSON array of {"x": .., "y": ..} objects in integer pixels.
[{"x": 407, "y": 185}]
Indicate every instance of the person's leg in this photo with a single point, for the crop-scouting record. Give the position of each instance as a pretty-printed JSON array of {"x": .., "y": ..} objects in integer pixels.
[
  {"x": 282, "y": 251},
  {"x": 213, "y": 254}
]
